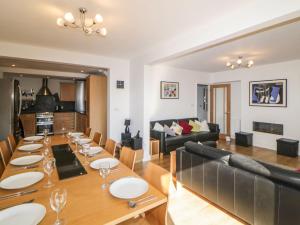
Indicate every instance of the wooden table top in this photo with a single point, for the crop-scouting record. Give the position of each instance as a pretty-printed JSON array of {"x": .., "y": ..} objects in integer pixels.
[{"x": 87, "y": 203}]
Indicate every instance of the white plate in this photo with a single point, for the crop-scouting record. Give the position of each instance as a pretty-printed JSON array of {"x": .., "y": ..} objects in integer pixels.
[
  {"x": 33, "y": 138},
  {"x": 93, "y": 150},
  {"x": 83, "y": 141},
  {"x": 128, "y": 187},
  {"x": 76, "y": 134},
  {"x": 21, "y": 180},
  {"x": 25, "y": 214},
  {"x": 97, "y": 163},
  {"x": 26, "y": 160},
  {"x": 31, "y": 147}
]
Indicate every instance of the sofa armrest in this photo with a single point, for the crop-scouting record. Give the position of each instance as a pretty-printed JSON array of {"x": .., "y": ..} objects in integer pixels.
[
  {"x": 161, "y": 136},
  {"x": 214, "y": 127}
]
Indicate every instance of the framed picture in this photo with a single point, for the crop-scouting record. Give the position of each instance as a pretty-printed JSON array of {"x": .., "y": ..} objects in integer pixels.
[
  {"x": 169, "y": 90},
  {"x": 269, "y": 93}
]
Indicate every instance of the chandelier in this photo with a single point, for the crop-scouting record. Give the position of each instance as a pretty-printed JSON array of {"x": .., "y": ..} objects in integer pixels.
[
  {"x": 87, "y": 25},
  {"x": 239, "y": 63}
]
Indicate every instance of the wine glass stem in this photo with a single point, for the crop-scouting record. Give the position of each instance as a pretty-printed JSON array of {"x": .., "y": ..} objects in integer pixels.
[
  {"x": 49, "y": 180},
  {"x": 57, "y": 216}
]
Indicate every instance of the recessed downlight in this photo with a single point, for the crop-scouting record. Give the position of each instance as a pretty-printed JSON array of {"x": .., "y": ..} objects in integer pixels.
[
  {"x": 82, "y": 71},
  {"x": 13, "y": 65}
]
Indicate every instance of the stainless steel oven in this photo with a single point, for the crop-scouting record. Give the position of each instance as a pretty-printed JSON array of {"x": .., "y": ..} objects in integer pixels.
[{"x": 43, "y": 121}]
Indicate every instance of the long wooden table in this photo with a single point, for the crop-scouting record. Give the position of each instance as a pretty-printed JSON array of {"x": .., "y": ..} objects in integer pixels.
[{"x": 87, "y": 203}]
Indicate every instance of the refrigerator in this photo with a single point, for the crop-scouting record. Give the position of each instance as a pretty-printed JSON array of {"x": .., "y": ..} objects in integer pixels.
[
  {"x": 80, "y": 96},
  {"x": 10, "y": 110}
]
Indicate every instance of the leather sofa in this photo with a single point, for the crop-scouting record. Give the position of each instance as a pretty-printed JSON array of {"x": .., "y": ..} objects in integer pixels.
[
  {"x": 256, "y": 192},
  {"x": 168, "y": 144}
]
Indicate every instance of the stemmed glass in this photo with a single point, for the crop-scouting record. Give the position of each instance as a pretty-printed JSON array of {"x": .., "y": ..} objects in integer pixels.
[
  {"x": 49, "y": 165},
  {"x": 46, "y": 153},
  {"x": 46, "y": 132},
  {"x": 63, "y": 131},
  {"x": 85, "y": 151},
  {"x": 76, "y": 140},
  {"x": 47, "y": 141},
  {"x": 58, "y": 200},
  {"x": 104, "y": 170}
]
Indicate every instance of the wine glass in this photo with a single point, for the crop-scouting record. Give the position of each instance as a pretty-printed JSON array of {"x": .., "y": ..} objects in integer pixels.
[
  {"x": 85, "y": 151},
  {"x": 104, "y": 170},
  {"x": 63, "y": 131},
  {"x": 76, "y": 140},
  {"x": 49, "y": 165},
  {"x": 58, "y": 200},
  {"x": 46, "y": 153},
  {"x": 47, "y": 141},
  {"x": 46, "y": 132}
]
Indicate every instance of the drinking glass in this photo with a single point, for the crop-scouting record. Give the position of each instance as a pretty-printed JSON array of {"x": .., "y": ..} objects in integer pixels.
[
  {"x": 49, "y": 165},
  {"x": 85, "y": 151},
  {"x": 46, "y": 132},
  {"x": 58, "y": 200},
  {"x": 46, "y": 153},
  {"x": 104, "y": 171},
  {"x": 47, "y": 141},
  {"x": 63, "y": 131},
  {"x": 76, "y": 140}
]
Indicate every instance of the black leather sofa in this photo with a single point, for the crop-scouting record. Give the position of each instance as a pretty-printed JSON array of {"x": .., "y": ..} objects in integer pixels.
[
  {"x": 256, "y": 192},
  {"x": 168, "y": 144}
]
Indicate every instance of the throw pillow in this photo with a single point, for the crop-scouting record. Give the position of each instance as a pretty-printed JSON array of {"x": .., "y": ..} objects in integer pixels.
[
  {"x": 204, "y": 126},
  {"x": 169, "y": 131},
  {"x": 196, "y": 126},
  {"x": 186, "y": 127},
  {"x": 176, "y": 128},
  {"x": 158, "y": 127}
]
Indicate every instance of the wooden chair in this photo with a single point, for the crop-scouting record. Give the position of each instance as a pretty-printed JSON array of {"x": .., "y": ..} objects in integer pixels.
[
  {"x": 97, "y": 138},
  {"x": 128, "y": 157},
  {"x": 87, "y": 131},
  {"x": 110, "y": 146},
  {"x": 5, "y": 153},
  {"x": 2, "y": 167},
  {"x": 11, "y": 143},
  {"x": 159, "y": 178}
]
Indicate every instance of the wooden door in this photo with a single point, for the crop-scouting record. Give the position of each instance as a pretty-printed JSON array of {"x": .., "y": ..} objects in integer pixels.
[{"x": 220, "y": 107}]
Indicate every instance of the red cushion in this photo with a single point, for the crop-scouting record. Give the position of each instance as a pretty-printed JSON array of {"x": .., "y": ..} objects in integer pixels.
[
  {"x": 186, "y": 128},
  {"x": 298, "y": 170}
]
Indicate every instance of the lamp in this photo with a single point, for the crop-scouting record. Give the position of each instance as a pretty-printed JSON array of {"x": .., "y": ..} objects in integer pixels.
[
  {"x": 127, "y": 123},
  {"x": 239, "y": 63}
]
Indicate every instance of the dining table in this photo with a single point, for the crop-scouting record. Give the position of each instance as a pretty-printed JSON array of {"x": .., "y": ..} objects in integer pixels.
[{"x": 87, "y": 202}]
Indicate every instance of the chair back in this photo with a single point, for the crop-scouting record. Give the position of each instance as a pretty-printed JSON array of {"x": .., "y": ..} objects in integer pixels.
[
  {"x": 11, "y": 143},
  {"x": 110, "y": 146},
  {"x": 87, "y": 131},
  {"x": 5, "y": 153},
  {"x": 2, "y": 167},
  {"x": 127, "y": 156},
  {"x": 97, "y": 138}
]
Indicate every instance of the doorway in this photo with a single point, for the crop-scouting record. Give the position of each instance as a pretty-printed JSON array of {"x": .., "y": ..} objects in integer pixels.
[
  {"x": 220, "y": 102},
  {"x": 202, "y": 102}
]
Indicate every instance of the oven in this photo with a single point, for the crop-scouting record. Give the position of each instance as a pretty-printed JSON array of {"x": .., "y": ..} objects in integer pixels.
[{"x": 43, "y": 121}]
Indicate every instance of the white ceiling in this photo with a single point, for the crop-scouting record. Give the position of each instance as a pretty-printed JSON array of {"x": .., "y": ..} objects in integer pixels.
[
  {"x": 133, "y": 25},
  {"x": 276, "y": 45}
]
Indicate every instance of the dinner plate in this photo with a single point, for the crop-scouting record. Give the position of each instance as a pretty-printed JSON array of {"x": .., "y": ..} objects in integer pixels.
[
  {"x": 128, "y": 187},
  {"x": 26, "y": 160},
  {"x": 21, "y": 180},
  {"x": 97, "y": 163},
  {"x": 76, "y": 134},
  {"x": 25, "y": 214},
  {"x": 83, "y": 141},
  {"x": 93, "y": 150},
  {"x": 30, "y": 147},
  {"x": 33, "y": 138}
]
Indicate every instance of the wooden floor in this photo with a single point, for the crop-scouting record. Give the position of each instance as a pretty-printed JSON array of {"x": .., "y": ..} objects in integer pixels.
[{"x": 186, "y": 207}]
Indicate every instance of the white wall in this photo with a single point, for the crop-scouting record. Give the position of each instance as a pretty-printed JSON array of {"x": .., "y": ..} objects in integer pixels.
[
  {"x": 118, "y": 107},
  {"x": 186, "y": 105},
  {"x": 288, "y": 116}
]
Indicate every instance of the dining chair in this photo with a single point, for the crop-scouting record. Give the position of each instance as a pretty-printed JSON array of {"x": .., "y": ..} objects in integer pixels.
[
  {"x": 110, "y": 146},
  {"x": 2, "y": 167},
  {"x": 87, "y": 131},
  {"x": 97, "y": 138},
  {"x": 5, "y": 153},
  {"x": 11, "y": 143},
  {"x": 128, "y": 156},
  {"x": 159, "y": 178}
]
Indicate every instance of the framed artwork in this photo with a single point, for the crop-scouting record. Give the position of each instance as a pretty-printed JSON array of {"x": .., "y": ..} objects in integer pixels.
[
  {"x": 169, "y": 90},
  {"x": 269, "y": 93}
]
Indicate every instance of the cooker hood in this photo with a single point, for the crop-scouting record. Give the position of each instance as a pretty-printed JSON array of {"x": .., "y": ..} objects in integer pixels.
[{"x": 44, "y": 90}]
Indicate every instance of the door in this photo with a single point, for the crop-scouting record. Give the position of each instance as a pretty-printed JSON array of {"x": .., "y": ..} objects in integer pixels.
[
  {"x": 220, "y": 107},
  {"x": 202, "y": 102}
]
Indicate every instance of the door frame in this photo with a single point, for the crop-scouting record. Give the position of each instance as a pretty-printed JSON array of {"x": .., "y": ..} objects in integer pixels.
[{"x": 228, "y": 106}]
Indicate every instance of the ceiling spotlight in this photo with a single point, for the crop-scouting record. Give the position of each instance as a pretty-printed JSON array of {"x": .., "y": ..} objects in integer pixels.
[
  {"x": 69, "y": 17},
  {"x": 13, "y": 65},
  {"x": 60, "y": 22},
  {"x": 232, "y": 67},
  {"x": 82, "y": 71},
  {"x": 98, "y": 18},
  {"x": 250, "y": 62},
  {"x": 239, "y": 61},
  {"x": 228, "y": 64}
]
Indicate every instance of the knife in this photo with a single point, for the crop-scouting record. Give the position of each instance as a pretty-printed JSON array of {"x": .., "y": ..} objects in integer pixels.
[
  {"x": 26, "y": 167},
  {"x": 17, "y": 194}
]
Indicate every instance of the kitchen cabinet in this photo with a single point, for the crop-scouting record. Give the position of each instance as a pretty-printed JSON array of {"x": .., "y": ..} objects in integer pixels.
[
  {"x": 81, "y": 122},
  {"x": 67, "y": 91},
  {"x": 64, "y": 119},
  {"x": 28, "y": 123}
]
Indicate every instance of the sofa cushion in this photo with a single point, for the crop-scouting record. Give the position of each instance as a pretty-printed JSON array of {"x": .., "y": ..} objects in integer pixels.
[
  {"x": 186, "y": 127},
  {"x": 169, "y": 131},
  {"x": 158, "y": 127},
  {"x": 196, "y": 126},
  {"x": 207, "y": 151},
  {"x": 176, "y": 128}
]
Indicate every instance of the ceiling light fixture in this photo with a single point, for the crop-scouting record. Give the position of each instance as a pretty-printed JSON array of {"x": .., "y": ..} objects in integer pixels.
[
  {"x": 239, "y": 63},
  {"x": 82, "y": 71},
  {"x": 13, "y": 65},
  {"x": 87, "y": 25}
]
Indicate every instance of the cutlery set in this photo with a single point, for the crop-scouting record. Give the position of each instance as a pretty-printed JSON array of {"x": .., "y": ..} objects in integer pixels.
[
  {"x": 17, "y": 194},
  {"x": 133, "y": 204},
  {"x": 25, "y": 167}
]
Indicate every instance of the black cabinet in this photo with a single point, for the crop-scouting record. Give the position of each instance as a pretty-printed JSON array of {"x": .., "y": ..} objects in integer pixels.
[
  {"x": 243, "y": 139},
  {"x": 287, "y": 147}
]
